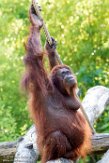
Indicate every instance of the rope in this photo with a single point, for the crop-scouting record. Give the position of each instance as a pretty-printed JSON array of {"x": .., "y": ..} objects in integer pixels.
[{"x": 47, "y": 34}]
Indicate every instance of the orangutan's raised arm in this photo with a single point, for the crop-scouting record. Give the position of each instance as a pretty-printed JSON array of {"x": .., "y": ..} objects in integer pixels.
[
  {"x": 51, "y": 51},
  {"x": 35, "y": 79}
]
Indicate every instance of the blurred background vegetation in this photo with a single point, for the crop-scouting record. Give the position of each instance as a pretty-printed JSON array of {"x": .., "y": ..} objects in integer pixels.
[{"x": 82, "y": 31}]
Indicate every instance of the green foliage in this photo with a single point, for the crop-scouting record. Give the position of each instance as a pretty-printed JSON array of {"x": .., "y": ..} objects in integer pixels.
[
  {"x": 81, "y": 29},
  {"x": 14, "y": 119},
  {"x": 103, "y": 122}
]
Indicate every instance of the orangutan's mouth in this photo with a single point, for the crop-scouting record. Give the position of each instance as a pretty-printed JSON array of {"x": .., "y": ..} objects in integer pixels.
[{"x": 70, "y": 81}]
